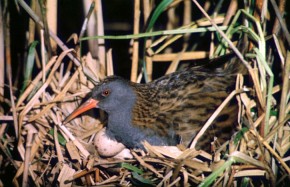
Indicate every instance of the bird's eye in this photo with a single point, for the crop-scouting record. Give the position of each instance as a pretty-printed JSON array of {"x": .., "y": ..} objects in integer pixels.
[{"x": 105, "y": 93}]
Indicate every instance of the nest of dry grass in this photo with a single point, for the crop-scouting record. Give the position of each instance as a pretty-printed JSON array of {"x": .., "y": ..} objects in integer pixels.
[{"x": 43, "y": 152}]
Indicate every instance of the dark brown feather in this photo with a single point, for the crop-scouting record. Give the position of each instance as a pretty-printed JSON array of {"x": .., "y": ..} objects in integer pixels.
[{"x": 183, "y": 101}]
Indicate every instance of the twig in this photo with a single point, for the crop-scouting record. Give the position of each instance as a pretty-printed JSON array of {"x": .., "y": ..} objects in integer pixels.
[{"x": 85, "y": 24}]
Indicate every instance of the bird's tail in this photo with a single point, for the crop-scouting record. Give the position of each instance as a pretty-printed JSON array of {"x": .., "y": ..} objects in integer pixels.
[
  {"x": 235, "y": 65},
  {"x": 229, "y": 63}
]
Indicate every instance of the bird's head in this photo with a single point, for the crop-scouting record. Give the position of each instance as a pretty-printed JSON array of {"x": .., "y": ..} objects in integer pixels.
[{"x": 111, "y": 95}]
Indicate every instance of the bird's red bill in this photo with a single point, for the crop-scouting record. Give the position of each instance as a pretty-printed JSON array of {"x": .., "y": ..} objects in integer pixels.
[{"x": 89, "y": 104}]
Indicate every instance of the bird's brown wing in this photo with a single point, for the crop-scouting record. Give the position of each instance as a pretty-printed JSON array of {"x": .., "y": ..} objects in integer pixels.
[{"x": 182, "y": 102}]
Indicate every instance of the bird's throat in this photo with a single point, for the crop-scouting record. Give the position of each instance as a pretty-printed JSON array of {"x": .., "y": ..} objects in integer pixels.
[{"x": 121, "y": 119}]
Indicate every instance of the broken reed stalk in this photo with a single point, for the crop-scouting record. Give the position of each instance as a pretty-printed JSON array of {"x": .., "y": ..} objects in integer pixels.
[
  {"x": 29, "y": 141},
  {"x": 149, "y": 64},
  {"x": 135, "y": 52},
  {"x": 109, "y": 57}
]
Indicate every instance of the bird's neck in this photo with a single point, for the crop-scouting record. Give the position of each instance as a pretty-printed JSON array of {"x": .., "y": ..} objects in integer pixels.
[
  {"x": 120, "y": 128},
  {"x": 120, "y": 118}
]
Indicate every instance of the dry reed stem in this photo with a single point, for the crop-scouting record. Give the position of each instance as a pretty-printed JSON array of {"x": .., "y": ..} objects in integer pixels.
[
  {"x": 55, "y": 38},
  {"x": 276, "y": 26},
  {"x": 279, "y": 50},
  {"x": 165, "y": 178},
  {"x": 273, "y": 152},
  {"x": 35, "y": 147},
  {"x": 56, "y": 119},
  {"x": 35, "y": 81},
  {"x": 174, "y": 182},
  {"x": 43, "y": 58},
  {"x": 249, "y": 173},
  {"x": 60, "y": 96},
  {"x": 257, "y": 87},
  {"x": 29, "y": 139},
  {"x": 174, "y": 64},
  {"x": 281, "y": 20},
  {"x": 35, "y": 97},
  {"x": 9, "y": 74},
  {"x": 144, "y": 164},
  {"x": 213, "y": 116},
  {"x": 73, "y": 151},
  {"x": 101, "y": 42},
  {"x": 135, "y": 53},
  {"x": 193, "y": 55},
  {"x": 37, "y": 105},
  {"x": 239, "y": 55},
  {"x": 187, "y": 14},
  {"x": 51, "y": 16},
  {"x": 90, "y": 25},
  {"x": 110, "y": 70},
  {"x": 171, "y": 39},
  {"x": 285, "y": 92},
  {"x": 31, "y": 30},
  {"x": 84, "y": 152},
  {"x": 152, "y": 149},
  {"x": 149, "y": 63},
  {"x": 232, "y": 10},
  {"x": 2, "y": 55},
  {"x": 65, "y": 173},
  {"x": 188, "y": 153},
  {"x": 94, "y": 66},
  {"x": 148, "y": 59}
]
